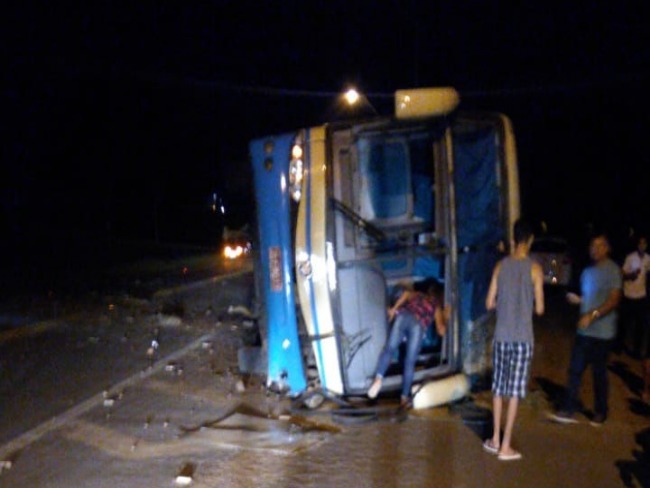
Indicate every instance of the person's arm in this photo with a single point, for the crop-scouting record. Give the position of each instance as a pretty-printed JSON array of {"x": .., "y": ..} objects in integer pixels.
[
  {"x": 538, "y": 287},
  {"x": 632, "y": 275},
  {"x": 400, "y": 301},
  {"x": 629, "y": 274},
  {"x": 612, "y": 302},
  {"x": 491, "y": 299},
  {"x": 573, "y": 298},
  {"x": 441, "y": 319}
]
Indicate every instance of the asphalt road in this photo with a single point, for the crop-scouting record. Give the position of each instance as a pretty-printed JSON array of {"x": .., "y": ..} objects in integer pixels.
[
  {"x": 55, "y": 353},
  {"x": 62, "y": 370}
]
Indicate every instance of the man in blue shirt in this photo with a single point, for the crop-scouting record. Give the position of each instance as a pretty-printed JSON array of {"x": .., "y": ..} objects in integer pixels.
[{"x": 600, "y": 286}]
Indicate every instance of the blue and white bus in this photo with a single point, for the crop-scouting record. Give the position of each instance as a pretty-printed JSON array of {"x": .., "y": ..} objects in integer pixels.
[{"x": 348, "y": 210}]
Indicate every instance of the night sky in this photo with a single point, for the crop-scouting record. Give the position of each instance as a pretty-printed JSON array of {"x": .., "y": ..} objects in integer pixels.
[{"x": 123, "y": 118}]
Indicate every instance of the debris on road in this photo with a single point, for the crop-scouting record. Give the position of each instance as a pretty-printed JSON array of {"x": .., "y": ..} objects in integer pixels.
[
  {"x": 169, "y": 320},
  {"x": 184, "y": 477},
  {"x": 240, "y": 310}
]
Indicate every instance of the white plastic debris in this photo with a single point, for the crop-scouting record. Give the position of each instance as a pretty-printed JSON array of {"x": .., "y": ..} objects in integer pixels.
[
  {"x": 184, "y": 477},
  {"x": 240, "y": 387},
  {"x": 183, "y": 480},
  {"x": 109, "y": 399},
  {"x": 5, "y": 465}
]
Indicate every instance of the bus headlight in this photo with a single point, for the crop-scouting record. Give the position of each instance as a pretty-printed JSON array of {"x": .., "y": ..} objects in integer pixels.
[{"x": 296, "y": 169}]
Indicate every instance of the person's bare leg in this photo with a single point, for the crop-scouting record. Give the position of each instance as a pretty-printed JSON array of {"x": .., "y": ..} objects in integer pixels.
[
  {"x": 497, "y": 406},
  {"x": 511, "y": 415}
]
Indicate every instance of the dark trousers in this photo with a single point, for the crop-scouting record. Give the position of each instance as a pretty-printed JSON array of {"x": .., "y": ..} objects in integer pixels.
[
  {"x": 632, "y": 325},
  {"x": 588, "y": 351}
]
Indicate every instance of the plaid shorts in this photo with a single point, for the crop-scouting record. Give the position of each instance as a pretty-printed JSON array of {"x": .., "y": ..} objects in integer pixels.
[{"x": 511, "y": 361}]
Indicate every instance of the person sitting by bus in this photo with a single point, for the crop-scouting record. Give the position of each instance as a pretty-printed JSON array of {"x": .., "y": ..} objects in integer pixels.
[{"x": 411, "y": 315}]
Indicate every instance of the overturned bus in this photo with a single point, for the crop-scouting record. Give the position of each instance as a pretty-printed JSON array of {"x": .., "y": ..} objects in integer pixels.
[{"x": 348, "y": 210}]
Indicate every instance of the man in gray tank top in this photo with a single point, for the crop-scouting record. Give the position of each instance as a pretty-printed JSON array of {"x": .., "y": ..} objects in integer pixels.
[{"x": 517, "y": 286}]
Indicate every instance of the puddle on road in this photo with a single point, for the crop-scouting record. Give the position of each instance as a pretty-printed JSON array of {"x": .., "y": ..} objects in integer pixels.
[
  {"x": 247, "y": 427},
  {"x": 243, "y": 428}
]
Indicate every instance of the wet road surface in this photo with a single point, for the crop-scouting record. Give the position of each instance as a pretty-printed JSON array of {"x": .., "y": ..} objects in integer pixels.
[{"x": 223, "y": 429}]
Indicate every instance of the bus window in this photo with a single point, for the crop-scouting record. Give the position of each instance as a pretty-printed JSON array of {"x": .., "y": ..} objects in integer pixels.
[{"x": 385, "y": 179}]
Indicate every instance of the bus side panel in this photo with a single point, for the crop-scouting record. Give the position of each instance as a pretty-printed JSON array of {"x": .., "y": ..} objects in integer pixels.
[
  {"x": 315, "y": 265},
  {"x": 361, "y": 289},
  {"x": 363, "y": 308},
  {"x": 487, "y": 201},
  {"x": 270, "y": 171}
]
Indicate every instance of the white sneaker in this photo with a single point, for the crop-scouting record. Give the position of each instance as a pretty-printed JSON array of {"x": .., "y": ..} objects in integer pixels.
[{"x": 562, "y": 417}]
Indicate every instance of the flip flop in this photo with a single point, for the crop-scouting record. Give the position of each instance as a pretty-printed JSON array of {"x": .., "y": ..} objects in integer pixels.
[
  {"x": 509, "y": 457},
  {"x": 489, "y": 447}
]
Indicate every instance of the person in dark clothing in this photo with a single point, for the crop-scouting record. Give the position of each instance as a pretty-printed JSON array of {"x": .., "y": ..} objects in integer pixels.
[{"x": 634, "y": 307}]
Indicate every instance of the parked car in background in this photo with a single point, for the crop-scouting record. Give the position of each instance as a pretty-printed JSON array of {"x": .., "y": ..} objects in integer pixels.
[{"x": 552, "y": 253}]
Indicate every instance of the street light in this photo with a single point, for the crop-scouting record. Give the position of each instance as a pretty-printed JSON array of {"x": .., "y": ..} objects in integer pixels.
[
  {"x": 351, "y": 96},
  {"x": 350, "y": 103}
]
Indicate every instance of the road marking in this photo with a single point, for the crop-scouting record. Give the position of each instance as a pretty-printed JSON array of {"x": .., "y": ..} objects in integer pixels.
[
  {"x": 31, "y": 330},
  {"x": 198, "y": 284},
  {"x": 57, "y": 421}
]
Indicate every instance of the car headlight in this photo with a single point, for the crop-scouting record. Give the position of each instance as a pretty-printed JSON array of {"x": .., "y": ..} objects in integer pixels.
[{"x": 233, "y": 252}]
